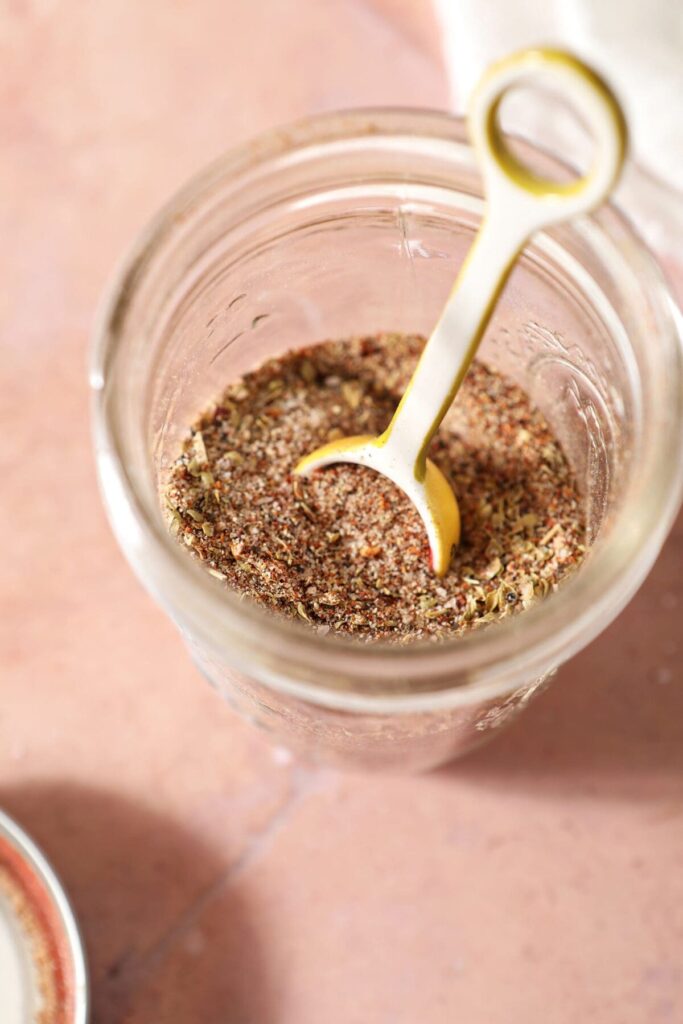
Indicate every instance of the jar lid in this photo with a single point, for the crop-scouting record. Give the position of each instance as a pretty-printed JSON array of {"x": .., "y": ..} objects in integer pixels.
[{"x": 43, "y": 974}]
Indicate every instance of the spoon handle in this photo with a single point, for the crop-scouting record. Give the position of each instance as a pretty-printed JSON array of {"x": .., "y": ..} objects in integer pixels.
[{"x": 519, "y": 203}]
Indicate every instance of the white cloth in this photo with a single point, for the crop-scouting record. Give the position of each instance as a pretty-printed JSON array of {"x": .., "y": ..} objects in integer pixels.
[{"x": 636, "y": 44}]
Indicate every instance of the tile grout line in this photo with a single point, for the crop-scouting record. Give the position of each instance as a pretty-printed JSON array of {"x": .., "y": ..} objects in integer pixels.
[{"x": 304, "y": 782}]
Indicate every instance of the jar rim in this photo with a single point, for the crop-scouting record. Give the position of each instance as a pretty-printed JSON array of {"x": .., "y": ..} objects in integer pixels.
[{"x": 383, "y": 677}]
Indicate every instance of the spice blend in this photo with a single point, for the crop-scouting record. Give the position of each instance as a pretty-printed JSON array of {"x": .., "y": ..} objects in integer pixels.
[
  {"x": 345, "y": 550},
  {"x": 34, "y": 937}
]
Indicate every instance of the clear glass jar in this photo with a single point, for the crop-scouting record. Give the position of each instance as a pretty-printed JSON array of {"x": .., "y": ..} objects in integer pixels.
[{"x": 355, "y": 223}]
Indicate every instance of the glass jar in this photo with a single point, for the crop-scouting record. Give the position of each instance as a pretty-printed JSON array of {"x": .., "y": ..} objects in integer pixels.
[{"x": 356, "y": 223}]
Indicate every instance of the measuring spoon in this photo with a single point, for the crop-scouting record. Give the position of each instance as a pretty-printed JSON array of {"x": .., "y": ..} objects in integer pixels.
[{"x": 518, "y": 204}]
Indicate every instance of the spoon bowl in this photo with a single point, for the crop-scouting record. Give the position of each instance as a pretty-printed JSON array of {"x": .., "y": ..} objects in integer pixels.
[{"x": 432, "y": 495}]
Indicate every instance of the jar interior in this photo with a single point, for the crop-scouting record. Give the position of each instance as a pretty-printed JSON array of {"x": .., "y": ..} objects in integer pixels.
[{"x": 363, "y": 249}]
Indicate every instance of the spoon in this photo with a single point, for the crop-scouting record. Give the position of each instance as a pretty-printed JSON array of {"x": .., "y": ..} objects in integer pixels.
[{"x": 518, "y": 204}]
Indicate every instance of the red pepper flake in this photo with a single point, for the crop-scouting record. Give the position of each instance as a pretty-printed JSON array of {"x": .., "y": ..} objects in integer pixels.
[{"x": 370, "y": 550}]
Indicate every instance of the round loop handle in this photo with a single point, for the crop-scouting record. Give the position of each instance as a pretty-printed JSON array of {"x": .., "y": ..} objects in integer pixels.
[{"x": 537, "y": 200}]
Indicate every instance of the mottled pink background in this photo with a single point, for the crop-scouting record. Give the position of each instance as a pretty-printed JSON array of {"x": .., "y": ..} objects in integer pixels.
[{"x": 540, "y": 881}]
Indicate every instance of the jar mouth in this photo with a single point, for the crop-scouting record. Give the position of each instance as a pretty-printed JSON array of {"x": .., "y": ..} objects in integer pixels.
[{"x": 334, "y": 671}]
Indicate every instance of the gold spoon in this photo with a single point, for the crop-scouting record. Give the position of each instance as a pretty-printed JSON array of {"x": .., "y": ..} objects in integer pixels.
[{"x": 518, "y": 204}]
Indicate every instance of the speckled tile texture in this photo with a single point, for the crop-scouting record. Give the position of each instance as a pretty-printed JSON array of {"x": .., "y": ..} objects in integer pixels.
[{"x": 216, "y": 879}]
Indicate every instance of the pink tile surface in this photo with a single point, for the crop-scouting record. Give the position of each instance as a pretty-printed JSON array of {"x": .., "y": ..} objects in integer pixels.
[{"x": 217, "y": 880}]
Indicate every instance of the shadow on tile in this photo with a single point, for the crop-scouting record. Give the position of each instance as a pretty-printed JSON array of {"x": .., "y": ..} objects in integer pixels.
[
  {"x": 147, "y": 893},
  {"x": 613, "y": 717}
]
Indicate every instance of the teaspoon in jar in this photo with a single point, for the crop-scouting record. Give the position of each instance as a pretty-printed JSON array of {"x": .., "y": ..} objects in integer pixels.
[{"x": 518, "y": 204}]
